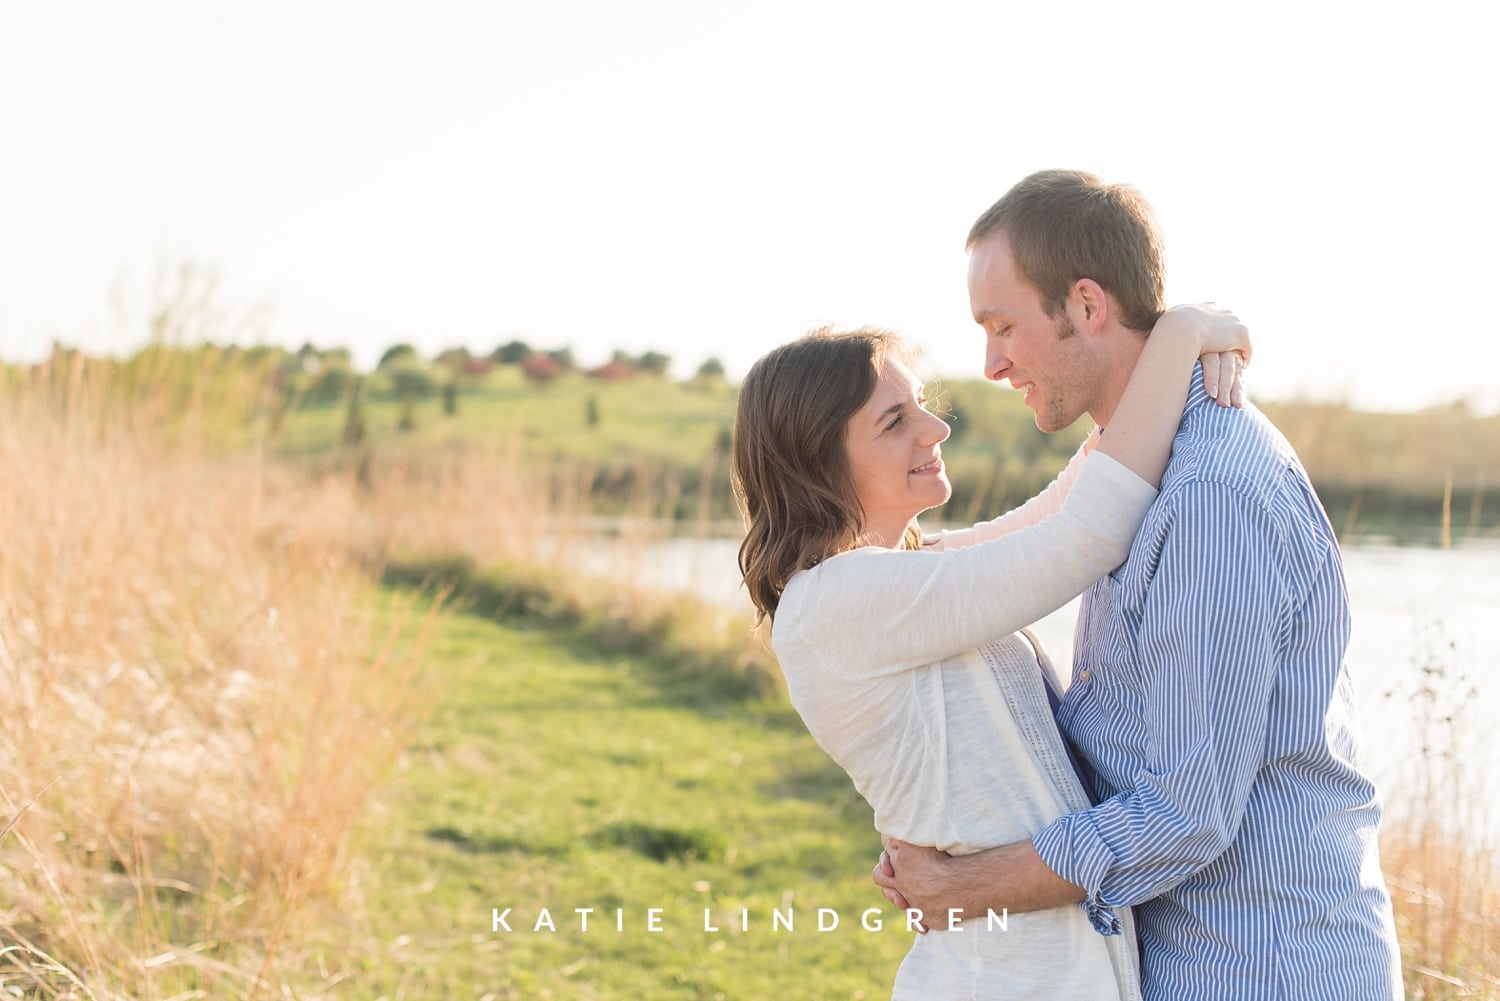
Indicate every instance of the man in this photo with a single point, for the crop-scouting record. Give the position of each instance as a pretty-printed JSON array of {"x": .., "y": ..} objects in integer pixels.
[{"x": 1210, "y": 701}]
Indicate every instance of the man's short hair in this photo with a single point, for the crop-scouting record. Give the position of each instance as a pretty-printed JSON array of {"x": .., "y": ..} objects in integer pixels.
[{"x": 1064, "y": 225}]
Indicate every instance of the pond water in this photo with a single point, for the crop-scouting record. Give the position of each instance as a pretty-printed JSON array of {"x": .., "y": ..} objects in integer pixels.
[{"x": 1424, "y": 620}]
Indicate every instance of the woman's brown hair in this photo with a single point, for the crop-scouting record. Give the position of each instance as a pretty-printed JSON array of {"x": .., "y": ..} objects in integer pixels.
[{"x": 790, "y": 466}]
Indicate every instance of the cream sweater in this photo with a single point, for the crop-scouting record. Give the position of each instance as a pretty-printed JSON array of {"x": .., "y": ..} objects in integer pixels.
[{"x": 908, "y": 670}]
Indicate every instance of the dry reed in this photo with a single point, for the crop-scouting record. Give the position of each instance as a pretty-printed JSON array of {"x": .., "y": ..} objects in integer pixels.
[
  {"x": 1438, "y": 843},
  {"x": 196, "y": 699}
]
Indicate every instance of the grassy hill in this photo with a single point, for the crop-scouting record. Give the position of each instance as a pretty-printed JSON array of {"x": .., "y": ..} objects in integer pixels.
[{"x": 1385, "y": 473}]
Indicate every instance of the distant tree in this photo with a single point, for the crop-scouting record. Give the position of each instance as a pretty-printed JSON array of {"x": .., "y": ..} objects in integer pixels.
[
  {"x": 654, "y": 363},
  {"x": 354, "y": 420},
  {"x": 338, "y": 356},
  {"x": 454, "y": 359},
  {"x": 541, "y": 368},
  {"x": 396, "y": 354},
  {"x": 711, "y": 370},
  {"x": 412, "y": 384},
  {"x": 564, "y": 358},
  {"x": 289, "y": 365},
  {"x": 511, "y": 353},
  {"x": 289, "y": 382},
  {"x": 331, "y": 384},
  {"x": 464, "y": 372},
  {"x": 614, "y": 371}
]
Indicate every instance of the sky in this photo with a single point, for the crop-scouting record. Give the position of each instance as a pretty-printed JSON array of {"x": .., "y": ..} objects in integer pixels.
[{"x": 710, "y": 179}]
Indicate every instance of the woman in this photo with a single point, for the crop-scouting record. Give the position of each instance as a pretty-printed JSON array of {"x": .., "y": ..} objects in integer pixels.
[{"x": 904, "y": 659}]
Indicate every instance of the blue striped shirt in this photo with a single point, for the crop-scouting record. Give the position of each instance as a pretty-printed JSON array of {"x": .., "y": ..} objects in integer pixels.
[{"x": 1213, "y": 708}]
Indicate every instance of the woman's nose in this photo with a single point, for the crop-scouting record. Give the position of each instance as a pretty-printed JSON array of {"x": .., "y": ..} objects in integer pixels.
[{"x": 938, "y": 429}]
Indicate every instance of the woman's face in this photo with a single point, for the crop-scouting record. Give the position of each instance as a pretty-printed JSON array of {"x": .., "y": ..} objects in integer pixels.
[{"x": 893, "y": 445}]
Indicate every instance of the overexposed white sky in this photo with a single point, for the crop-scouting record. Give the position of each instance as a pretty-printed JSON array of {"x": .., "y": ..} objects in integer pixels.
[{"x": 711, "y": 179}]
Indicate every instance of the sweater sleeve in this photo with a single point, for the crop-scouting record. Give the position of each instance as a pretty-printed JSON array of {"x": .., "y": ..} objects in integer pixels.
[
  {"x": 1037, "y": 509},
  {"x": 888, "y": 610}
]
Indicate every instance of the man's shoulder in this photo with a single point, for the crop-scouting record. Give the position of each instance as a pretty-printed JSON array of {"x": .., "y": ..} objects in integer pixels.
[
  {"x": 1235, "y": 483},
  {"x": 1238, "y": 449},
  {"x": 1223, "y": 456}
]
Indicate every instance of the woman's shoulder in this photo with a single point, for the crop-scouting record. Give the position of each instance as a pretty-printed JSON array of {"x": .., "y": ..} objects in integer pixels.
[{"x": 819, "y": 592}]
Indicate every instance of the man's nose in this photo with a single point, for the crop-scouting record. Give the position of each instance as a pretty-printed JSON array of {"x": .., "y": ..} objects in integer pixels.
[{"x": 996, "y": 362}]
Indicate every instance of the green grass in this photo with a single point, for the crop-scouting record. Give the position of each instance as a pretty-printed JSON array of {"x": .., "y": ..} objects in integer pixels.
[
  {"x": 556, "y": 773},
  {"x": 646, "y": 417},
  {"x": 1383, "y": 473},
  {"x": 653, "y": 443},
  {"x": 651, "y": 437}
]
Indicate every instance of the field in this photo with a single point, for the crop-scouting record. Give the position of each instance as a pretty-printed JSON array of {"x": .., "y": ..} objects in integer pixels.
[
  {"x": 1403, "y": 475},
  {"x": 559, "y": 773},
  {"x": 292, "y": 712}
]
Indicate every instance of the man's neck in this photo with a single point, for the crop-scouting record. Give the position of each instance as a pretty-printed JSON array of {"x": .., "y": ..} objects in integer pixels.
[{"x": 1120, "y": 357}]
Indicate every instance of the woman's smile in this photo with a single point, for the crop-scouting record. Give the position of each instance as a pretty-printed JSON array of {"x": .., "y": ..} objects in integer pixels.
[{"x": 930, "y": 468}]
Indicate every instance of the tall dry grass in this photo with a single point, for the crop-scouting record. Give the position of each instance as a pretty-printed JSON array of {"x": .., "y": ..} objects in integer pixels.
[
  {"x": 509, "y": 537},
  {"x": 1439, "y": 842},
  {"x": 195, "y": 699}
]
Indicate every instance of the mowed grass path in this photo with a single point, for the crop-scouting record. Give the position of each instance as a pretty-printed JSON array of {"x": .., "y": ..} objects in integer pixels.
[{"x": 556, "y": 774}]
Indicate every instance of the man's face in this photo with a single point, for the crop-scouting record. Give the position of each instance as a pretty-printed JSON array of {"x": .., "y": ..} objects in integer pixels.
[{"x": 1042, "y": 356}]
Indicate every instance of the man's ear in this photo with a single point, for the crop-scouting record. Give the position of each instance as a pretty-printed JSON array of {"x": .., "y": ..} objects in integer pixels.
[{"x": 1091, "y": 304}]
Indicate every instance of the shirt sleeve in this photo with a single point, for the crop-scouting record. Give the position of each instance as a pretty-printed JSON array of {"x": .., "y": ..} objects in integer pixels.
[
  {"x": 1045, "y": 504},
  {"x": 1206, "y": 653},
  {"x": 888, "y": 610}
]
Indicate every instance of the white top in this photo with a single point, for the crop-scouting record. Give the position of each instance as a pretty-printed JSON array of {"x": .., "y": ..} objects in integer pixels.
[{"x": 892, "y": 659}]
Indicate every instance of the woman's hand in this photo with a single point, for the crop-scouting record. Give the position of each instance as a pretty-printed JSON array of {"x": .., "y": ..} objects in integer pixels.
[
  {"x": 1224, "y": 378},
  {"x": 1223, "y": 343}
]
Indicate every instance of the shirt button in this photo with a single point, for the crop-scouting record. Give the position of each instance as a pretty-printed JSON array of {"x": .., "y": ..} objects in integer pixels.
[{"x": 1083, "y": 675}]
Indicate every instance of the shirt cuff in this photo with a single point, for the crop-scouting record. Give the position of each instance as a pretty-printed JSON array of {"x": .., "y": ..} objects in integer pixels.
[{"x": 1082, "y": 858}]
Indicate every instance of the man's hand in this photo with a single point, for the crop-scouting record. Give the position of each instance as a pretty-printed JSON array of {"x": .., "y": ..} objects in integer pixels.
[
  {"x": 924, "y": 882},
  {"x": 1010, "y": 877},
  {"x": 884, "y": 875}
]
